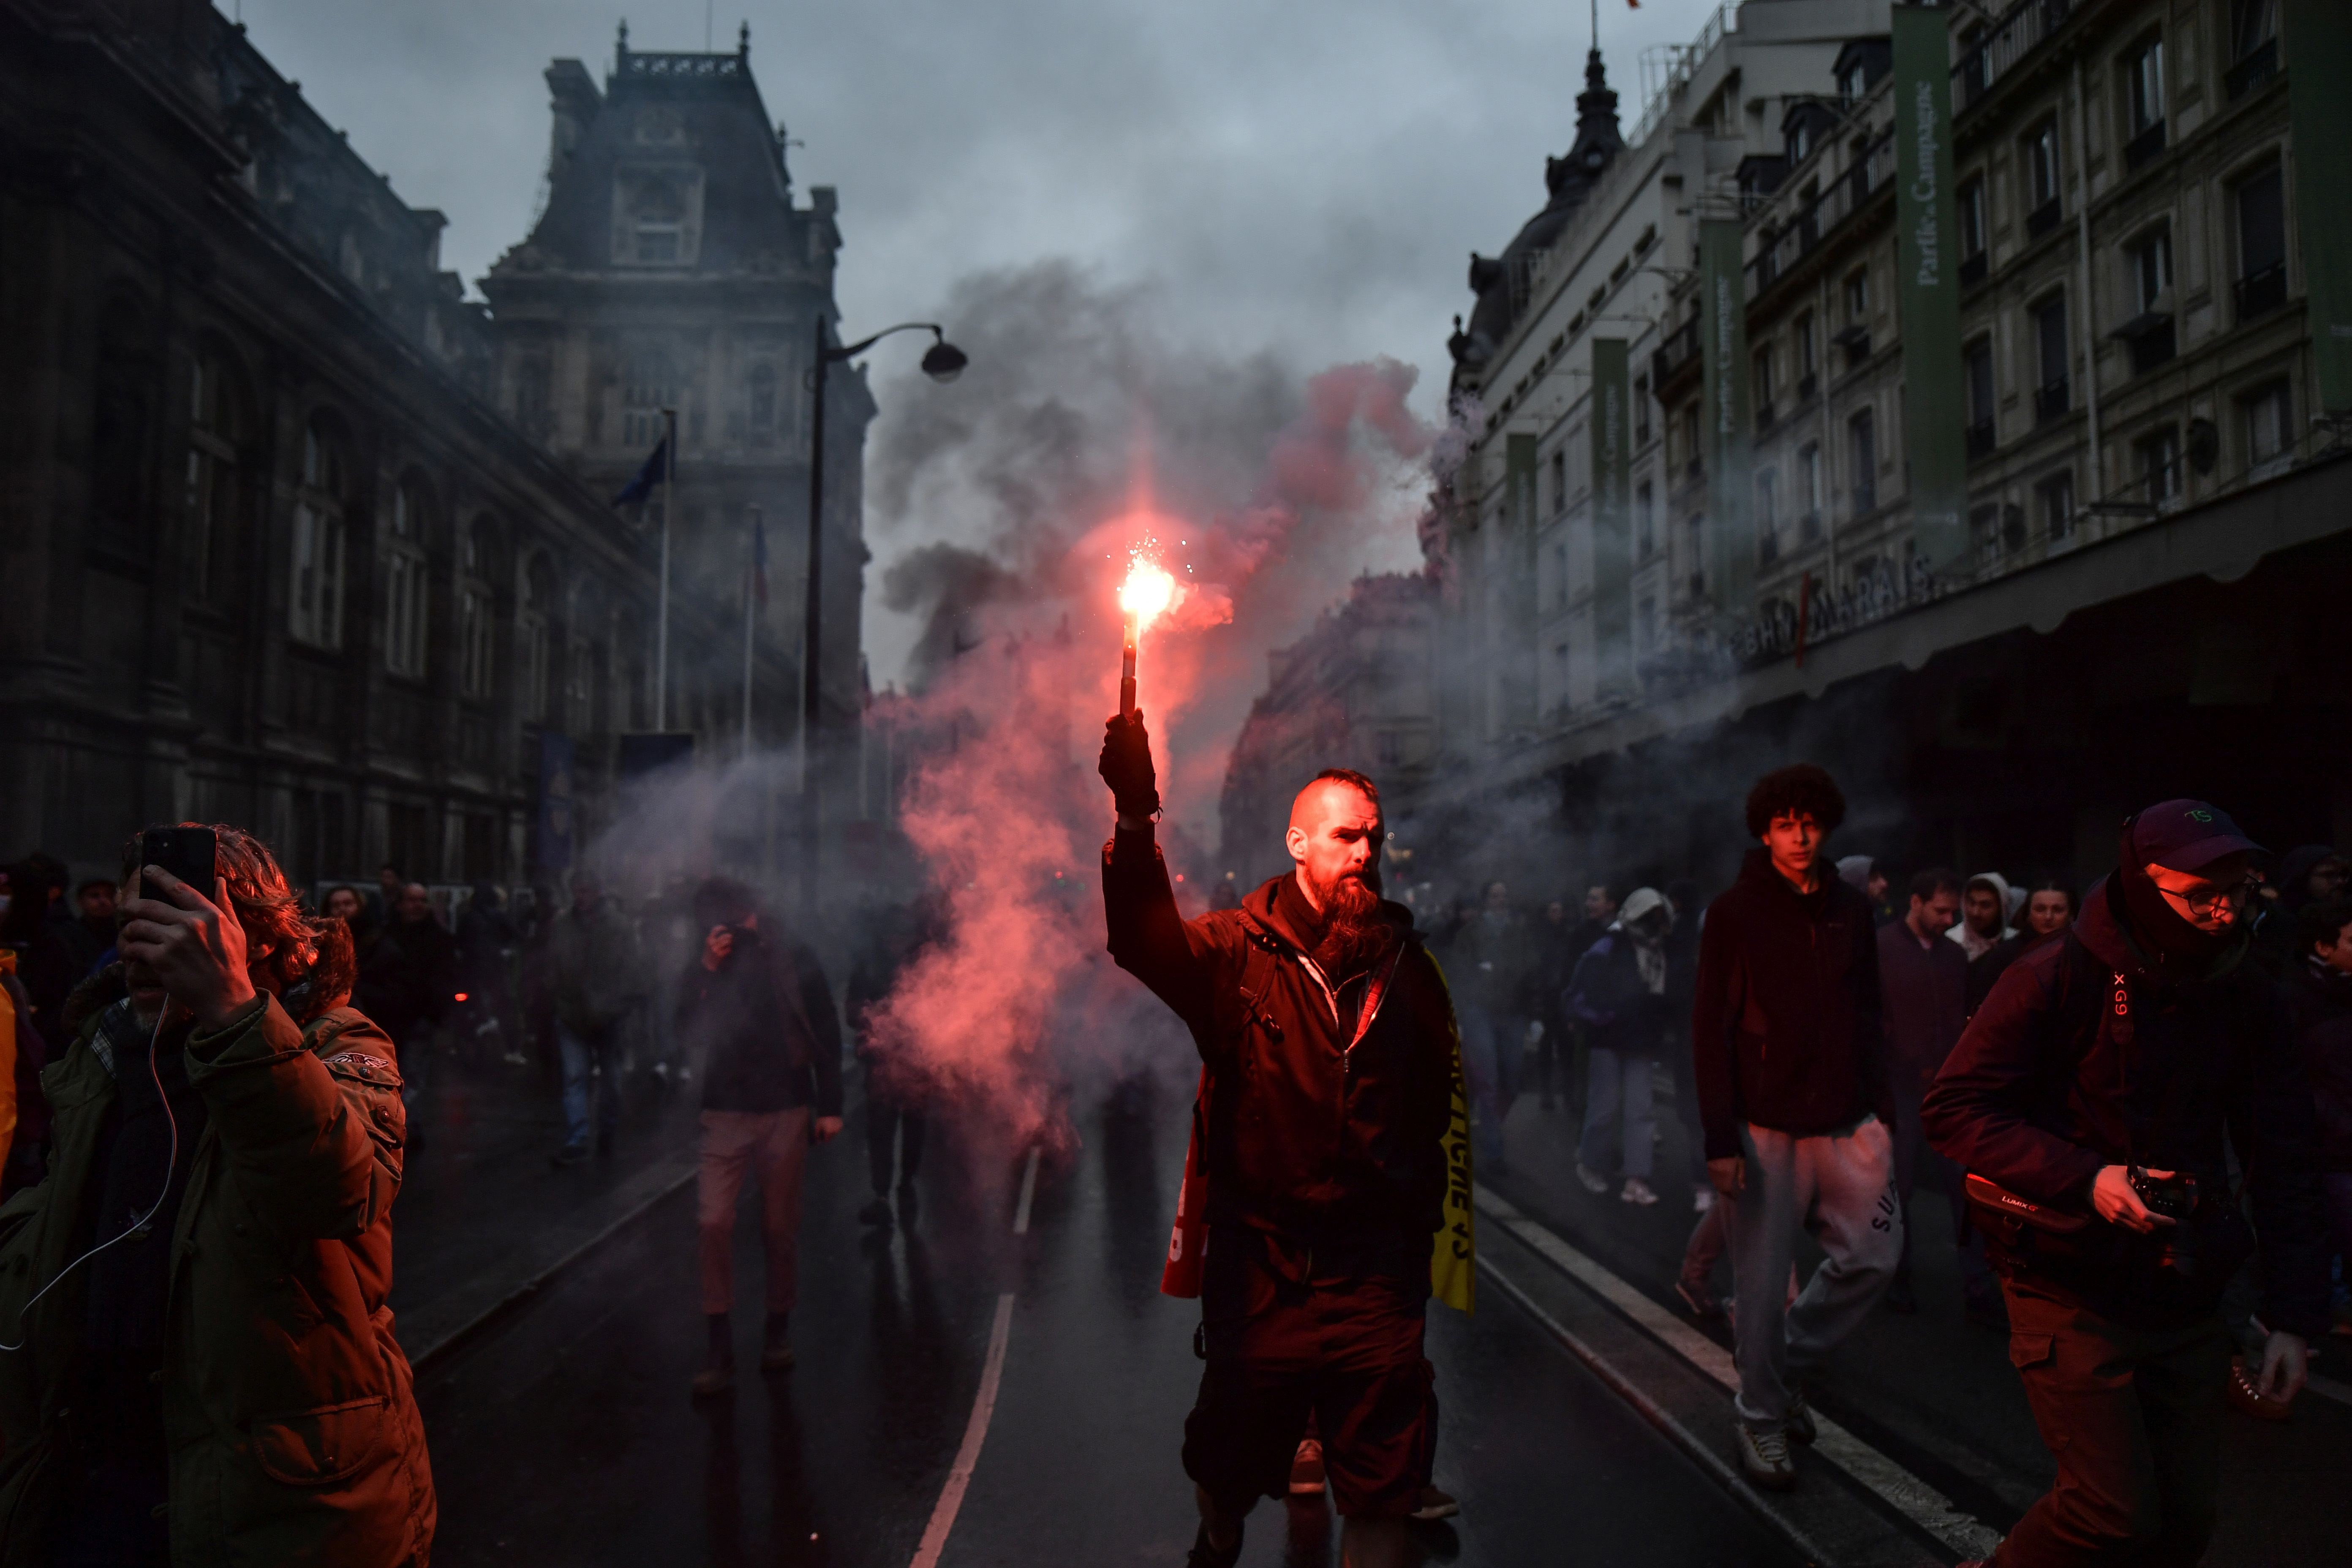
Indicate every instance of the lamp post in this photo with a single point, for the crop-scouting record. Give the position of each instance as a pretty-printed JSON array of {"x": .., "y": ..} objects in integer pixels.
[{"x": 943, "y": 361}]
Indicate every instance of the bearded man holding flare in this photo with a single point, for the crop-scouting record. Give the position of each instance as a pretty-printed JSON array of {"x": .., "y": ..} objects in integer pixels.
[{"x": 1329, "y": 1095}]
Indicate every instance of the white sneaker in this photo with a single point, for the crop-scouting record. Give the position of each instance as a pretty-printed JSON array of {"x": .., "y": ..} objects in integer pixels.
[
  {"x": 1637, "y": 1191},
  {"x": 1702, "y": 1199},
  {"x": 1765, "y": 1457},
  {"x": 1594, "y": 1182}
]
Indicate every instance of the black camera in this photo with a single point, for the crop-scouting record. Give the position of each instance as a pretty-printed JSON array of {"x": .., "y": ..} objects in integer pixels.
[{"x": 2174, "y": 1198}]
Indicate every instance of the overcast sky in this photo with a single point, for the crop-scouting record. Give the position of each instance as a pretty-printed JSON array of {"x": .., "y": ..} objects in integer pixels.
[{"x": 1306, "y": 177}]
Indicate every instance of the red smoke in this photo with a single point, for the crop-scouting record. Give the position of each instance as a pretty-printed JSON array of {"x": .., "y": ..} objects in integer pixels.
[{"x": 1016, "y": 1001}]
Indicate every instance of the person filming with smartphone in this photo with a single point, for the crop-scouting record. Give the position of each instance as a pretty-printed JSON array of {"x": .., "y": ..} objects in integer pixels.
[
  {"x": 2088, "y": 1100},
  {"x": 197, "y": 1364}
]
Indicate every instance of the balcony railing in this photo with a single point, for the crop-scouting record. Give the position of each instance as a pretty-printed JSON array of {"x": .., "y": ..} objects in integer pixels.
[
  {"x": 2144, "y": 146},
  {"x": 2050, "y": 400},
  {"x": 2042, "y": 219},
  {"x": 2258, "y": 67},
  {"x": 1778, "y": 251},
  {"x": 1973, "y": 269},
  {"x": 2260, "y": 294},
  {"x": 1679, "y": 349},
  {"x": 1980, "y": 439},
  {"x": 2013, "y": 38},
  {"x": 2151, "y": 337}
]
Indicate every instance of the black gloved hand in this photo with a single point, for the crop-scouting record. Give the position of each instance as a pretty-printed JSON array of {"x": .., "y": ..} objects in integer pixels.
[{"x": 1126, "y": 765}]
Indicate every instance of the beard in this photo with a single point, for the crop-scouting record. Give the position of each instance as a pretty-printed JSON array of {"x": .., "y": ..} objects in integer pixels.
[{"x": 1354, "y": 934}]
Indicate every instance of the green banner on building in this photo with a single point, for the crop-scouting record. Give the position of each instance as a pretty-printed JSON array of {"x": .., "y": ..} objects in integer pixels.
[
  {"x": 1609, "y": 419},
  {"x": 1730, "y": 564},
  {"x": 2319, "y": 111},
  {"x": 1511, "y": 570},
  {"x": 1926, "y": 269}
]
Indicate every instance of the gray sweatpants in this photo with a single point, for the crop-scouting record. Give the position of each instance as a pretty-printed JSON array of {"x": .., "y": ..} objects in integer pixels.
[{"x": 1841, "y": 1187}]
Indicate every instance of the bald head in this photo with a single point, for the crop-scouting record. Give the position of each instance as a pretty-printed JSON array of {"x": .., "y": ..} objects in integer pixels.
[{"x": 1335, "y": 833}]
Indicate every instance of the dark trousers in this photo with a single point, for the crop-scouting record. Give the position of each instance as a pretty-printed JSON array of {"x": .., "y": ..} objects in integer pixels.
[
  {"x": 1915, "y": 1159},
  {"x": 886, "y": 1115},
  {"x": 2134, "y": 1418}
]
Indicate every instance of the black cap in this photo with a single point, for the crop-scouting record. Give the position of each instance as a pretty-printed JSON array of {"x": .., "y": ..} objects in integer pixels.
[{"x": 2187, "y": 835}]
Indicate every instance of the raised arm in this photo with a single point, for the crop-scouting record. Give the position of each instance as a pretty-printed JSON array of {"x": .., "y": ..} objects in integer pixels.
[{"x": 1148, "y": 937}]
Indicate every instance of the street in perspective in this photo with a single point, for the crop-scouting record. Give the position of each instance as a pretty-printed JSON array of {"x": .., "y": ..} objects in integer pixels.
[{"x": 886, "y": 790}]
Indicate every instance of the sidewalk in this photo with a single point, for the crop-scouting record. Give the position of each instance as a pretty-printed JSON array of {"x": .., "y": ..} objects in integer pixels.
[
  {"x": 482, "y": 1213},
  {"x": 1933, "y": 1391}
]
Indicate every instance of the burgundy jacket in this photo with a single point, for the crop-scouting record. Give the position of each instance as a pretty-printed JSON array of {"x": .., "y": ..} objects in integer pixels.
[
  {"x": 1322, "y": 1129},
  {"x": 1786, "y": 1031}
]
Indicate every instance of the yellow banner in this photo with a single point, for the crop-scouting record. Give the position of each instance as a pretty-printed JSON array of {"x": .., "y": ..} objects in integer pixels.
[{"x": 1453, "y": 1259}]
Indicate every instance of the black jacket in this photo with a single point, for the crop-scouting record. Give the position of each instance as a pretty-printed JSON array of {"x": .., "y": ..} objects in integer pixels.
[
  {"x": 765, "y": 1020},
  {"x": 1786, "y": 1031},
  {"x": 2319, "y": 1001},
  {"x": 2050, "y": 1082},
  {"x": 407, "y": 976},
  {"x": 1608, "y": 995},
  {"x": 1336, "y": 1147}
]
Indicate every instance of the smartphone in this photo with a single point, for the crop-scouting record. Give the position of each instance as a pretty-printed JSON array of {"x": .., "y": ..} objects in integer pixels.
[{"x": 186, "y": 852}]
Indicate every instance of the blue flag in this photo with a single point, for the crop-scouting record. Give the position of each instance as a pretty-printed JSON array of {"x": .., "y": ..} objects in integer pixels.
[{"x": 649, "y": 476}]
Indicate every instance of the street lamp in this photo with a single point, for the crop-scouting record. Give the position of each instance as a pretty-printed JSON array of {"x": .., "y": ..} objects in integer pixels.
[{"x": 943, "y": 361}]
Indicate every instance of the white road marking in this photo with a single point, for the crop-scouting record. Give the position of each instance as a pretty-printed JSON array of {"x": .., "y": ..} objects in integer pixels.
[
  {"x": 1028, "y": 1192},
  {"x": 975, "y": 1432},
  {"x": 1899, "y": 1488}
]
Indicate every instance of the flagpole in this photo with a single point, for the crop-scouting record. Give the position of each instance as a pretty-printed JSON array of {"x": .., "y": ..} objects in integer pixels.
[
  {"x": 751, "y": 585},
  {"x": 661, "y": 622}
]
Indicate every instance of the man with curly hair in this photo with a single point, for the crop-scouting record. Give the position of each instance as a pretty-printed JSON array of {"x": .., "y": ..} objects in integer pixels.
[
  {"x": 208, "y": 1372},
  {"x": 1788, "y": 1045}
]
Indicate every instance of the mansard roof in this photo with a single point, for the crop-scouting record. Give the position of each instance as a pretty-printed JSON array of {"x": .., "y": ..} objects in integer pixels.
[{"x": 684, "y": 136}]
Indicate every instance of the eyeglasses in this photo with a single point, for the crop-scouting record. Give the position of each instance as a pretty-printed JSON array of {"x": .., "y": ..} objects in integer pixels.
[{"x": 2206, "y": 900}]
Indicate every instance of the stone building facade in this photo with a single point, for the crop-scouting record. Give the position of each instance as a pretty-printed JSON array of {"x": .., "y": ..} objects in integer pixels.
[
  {"x": 2155, "y": 487},
  {"x": 1356, "y": 691},
  {"x": 282, "y": 542}
]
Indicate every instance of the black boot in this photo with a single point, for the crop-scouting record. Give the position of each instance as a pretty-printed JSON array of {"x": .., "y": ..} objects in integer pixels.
[
  {"x": 1204, "y": 1555},
  {"x": 717, "y": 1371}
]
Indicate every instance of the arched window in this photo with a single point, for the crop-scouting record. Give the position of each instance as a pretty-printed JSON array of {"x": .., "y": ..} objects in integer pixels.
[
  {"x": 764, "y": 403},
  {"x": 476, "y": 629},
  {"x": 316, "y": 615},
  {"x": 648, "y": 386},
  {"x": 537, "y": 602},
  {"x": 407, "y": 598},
  {"x": 217, "y": 427}
]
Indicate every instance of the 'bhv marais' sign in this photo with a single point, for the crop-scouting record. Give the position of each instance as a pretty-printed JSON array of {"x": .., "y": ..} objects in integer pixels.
[{"x": 1870, "y": 597}]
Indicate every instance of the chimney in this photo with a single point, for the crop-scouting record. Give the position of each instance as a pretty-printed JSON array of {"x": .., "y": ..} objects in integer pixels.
[{"x": 575, "y": 102}]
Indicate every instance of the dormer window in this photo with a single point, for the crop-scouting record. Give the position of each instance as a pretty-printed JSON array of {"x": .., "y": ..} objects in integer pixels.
[
  {"x": 1800, "y": 142},
  {"x": 657, "y": 216}
]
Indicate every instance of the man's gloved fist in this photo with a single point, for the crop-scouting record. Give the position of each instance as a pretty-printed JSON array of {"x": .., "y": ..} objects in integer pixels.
[{"x": 1126, "y": 766}]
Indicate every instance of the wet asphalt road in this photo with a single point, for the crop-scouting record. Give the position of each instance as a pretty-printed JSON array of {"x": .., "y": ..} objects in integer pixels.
[{"x": 563, "y": 1434}]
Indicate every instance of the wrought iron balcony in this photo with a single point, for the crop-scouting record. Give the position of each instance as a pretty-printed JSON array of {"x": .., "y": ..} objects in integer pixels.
[
  {"x": 2260, "y": 294},
  {"x": 2144, "y": 146},
  {"x": 2043, "y": 219},
  {"x": 2050, "y": 400},
  {"x": 1980, "y": 439},
  {"x": 2260, "y": 66}
]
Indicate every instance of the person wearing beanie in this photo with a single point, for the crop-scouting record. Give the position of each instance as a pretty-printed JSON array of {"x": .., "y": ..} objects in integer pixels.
[{"x": 2093, "y": 1090}]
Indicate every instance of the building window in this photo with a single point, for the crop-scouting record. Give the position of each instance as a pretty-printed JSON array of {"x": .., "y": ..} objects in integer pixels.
[
  {"x": 216, "y": 428},
  {"x": 1862, "y": 444},
  {"x": 2151, "y": 260},
  {"x": 1807, "y": 356},
  {"x": 2040, "y": 157},
  {"x": 1691, "y": 463},
  {"x": 475, "y": 624},
  {"x": 2144, "y": 104},
  {"x": 2269, "y": 429},
  {"x": 532, "y": 397},
  {"x": 406, "y": 597},
  {"x": 1646, "y": 538},
  {"x": 1809, "y": 491},
  {"x": 315, "y": 615},
  {"x": 2050, "y": 395},
  {"x": 648, "y": 386},
  {"x": 579, "y": 682},
  {"x": 1641, "y": 409},
  {"x": 764, "y": 403},
  {"x": 2054, "y": 498},
  {"x": 2262, "y": 243},
  {"x": 1975, "y": 233},
  {"x": 537, "y": 602},
  {"x": 1976, "y": 370},
  {"x": 2158, "y": 457},
  {"x": 1768, "y": 520},
  {"x": 1857, "y": 295},
  {"x": 2254, "y": 46},
  {"x": 1763, "y": 375},
  {"x": 1560, "y": 482}
]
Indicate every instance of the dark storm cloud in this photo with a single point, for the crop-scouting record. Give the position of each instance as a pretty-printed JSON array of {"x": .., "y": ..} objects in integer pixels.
[{"x": 1275, "y": 188}]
